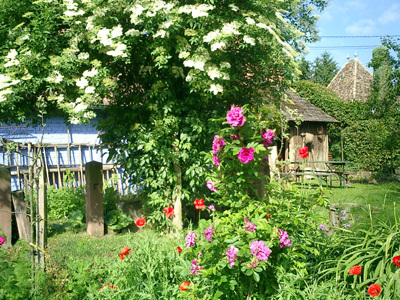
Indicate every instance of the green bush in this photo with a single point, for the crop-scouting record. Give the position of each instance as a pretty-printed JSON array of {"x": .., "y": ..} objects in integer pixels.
[{"x": 63, "y": 201}]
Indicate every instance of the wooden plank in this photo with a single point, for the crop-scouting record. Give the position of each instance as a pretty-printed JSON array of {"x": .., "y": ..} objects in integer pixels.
[
  {"x": 46, "y": 166},
  {"x": 58, "y": 168},
  {"x": 81, "y": 165},
  {"x": 24, "y": 228},
  {"x": 42, "y": 224},
  {"x": 18, "y": 168},
  {"x": 68, "y": 146}
]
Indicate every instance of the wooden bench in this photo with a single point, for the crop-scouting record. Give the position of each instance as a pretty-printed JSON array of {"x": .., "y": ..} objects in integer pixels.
[{"x": 322, "y": 175}]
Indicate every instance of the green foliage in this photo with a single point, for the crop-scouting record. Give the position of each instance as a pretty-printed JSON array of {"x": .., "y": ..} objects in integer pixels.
[
  {"x": 15, "y": 273},
  {"x": 373, "y": 145},
  {"x": 116, "y": 220},
  {"x": 63, "y": 201}
]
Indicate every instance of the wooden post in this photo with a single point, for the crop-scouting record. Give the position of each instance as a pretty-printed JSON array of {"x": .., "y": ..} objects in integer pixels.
[
  {"x": 46, "y": 166},
  {"x": 24, "y": 228},
  {"x": 58, "y": 168},
  {"x": 94, "y": 199},
  {"x": 5, "y": 206},
  {"x": 42, "y": 214}
]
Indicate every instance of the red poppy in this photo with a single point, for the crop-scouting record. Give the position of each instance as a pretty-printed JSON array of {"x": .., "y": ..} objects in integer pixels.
[
  {"x": 124, "y": 251},
  {"x": 356, "y": 270},
  {"x": 303, "y": 152},
  {"x": 179, "y": 249},
  {"x": 374, "y": 290},
  {"x": 140, "y": 222},
  {"x": 184, "y": 286},
  {"x": 110, "y": 285},
  {"x": 396, "y": 261},
  {"x": 199, "y": 204},
  {"x": 268, "y": 216},
  {"x": 169, "y": 211}
]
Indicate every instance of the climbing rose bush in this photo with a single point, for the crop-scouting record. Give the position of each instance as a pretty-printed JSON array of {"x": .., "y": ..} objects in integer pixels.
[{"x": 238, "y": 252}]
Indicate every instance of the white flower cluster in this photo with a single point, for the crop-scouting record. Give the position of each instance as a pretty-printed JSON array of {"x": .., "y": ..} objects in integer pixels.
[
  {"x": 249, "y": 40},
  {"x": 216, "y": 88},
  {"x": 199, "y": 65},
  {"x": 11, "y": 59},
  {"x": 55, "y": 77},
  {"x": 196, "y": 10},
  {"x": 106, "y": 37},
  {"x": 227, "y": 30},
  {"x": 5, "y": 83},
  {"x": 72, "y": 9},
  {"x": 136, "y": 10},
  {"x": 230, "y": 28},
  {"x": 83, "y": 56}
]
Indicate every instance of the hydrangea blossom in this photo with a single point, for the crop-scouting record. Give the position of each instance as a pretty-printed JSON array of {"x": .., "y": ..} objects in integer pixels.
[
  {"x": 284, "y": 239},
  {"x": 208, "y": 233},
  {"x": 190, "y": 239},
  {"x": 260, "y": 250},
  {"x": 231, "y": 255}
]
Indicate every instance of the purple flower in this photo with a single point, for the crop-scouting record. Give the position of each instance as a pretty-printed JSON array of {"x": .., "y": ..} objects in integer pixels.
[
  {"x": 259, "y": 249},
  {"x": 211, "y": 186},
  {"x": 231, "y": 255},
  {"x": 208, "y": 233},
  {"x": 216, "y": 161},
  {"x": 211, "y": 207},
  {"x": 217, "y": 144},
  {"x": 2, "y": 240},
  {"x": 284, "y": 239},
  {"x": 246, "y": 155},
  {"x": 268, "y": 137},
  {"x": 190, "y": 240},
  {"x": 322, "y": 227},
  {"x": 234, "y": 137},
  {"x": 249, "y": 226},
  {"x": 194, "y": 269},
  {"x": 343, "y": 212},
  {"x": 235, "y": 116}
]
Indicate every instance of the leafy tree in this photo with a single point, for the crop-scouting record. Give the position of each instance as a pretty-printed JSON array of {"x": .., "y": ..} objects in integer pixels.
[
  {"x": 305, "y": 68},
  {"x": 324, "y": 69},
  {"x": 164, "y": 69}
]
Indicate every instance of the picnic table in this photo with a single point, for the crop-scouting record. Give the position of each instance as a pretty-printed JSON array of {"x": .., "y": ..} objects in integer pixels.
[{"x": 333, "y": 169}]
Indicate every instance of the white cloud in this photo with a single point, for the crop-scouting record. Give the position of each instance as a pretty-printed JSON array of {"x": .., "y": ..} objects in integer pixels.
[
  {"x": 362, "y": 27},
  {"x": 390, "y": 15}
]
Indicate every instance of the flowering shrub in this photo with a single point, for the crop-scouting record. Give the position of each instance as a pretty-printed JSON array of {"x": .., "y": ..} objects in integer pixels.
[{"x": 240, "y": 251}]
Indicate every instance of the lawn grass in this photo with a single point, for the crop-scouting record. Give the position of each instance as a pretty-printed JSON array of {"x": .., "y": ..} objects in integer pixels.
[{"x": 367, "y": 203}]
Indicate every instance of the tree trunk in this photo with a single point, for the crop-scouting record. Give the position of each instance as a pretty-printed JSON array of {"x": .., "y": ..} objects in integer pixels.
[{"x": 177, "y": 199}]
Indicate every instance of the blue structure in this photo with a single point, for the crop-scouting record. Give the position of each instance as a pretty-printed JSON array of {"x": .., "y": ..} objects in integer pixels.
[{"x": 61, "y": 147}]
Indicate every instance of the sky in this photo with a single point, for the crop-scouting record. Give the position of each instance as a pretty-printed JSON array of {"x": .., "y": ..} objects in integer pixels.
[{"x": 347, "y": 27}]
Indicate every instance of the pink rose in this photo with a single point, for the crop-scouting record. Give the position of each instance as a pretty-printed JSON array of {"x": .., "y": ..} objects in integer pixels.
[
  {"x": 217, "y": 144},
  {"x": 211, "y": 186},
  {"x": 234, "y": 137},
  {"x": 246, "y": 155},
  {"x": 2, "y": 240},
  {"x": 235, "y": 116},
  {"x": 216, "y": 161},
  {"x": 268, "y": 137}
]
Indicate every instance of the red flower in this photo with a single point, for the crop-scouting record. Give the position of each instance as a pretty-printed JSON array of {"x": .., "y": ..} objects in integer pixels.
[
  {"x": 356, "y": 270},
  {"x": 124, "y": 251},
  {"x": 396, "y": 261},
  {"x": 108, "y": 284},
  {"x": 199, "y": 204},
  {"x": 303, "y": 152},
  {"x": 184, "y": 286},
  {"x": 169, "y": 211},
  {"x": 140, "y": 222},
  {"x": 179, "y": 249},
  {"x": 268, "y": 216},
  {"x": 374, "y": 290}
]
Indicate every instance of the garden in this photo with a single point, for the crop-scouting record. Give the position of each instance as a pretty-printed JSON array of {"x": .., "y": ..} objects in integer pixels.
[{"x": 188, "y": 98}]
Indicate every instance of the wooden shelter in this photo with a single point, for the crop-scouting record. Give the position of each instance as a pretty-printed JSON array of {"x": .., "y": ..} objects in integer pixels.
[{"x": 307, "y": 127}]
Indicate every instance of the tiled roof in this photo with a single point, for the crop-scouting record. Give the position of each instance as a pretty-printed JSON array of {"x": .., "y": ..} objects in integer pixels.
[
  {"x": 306, "y": 111},
  {"x": 352, "y": 82}
]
